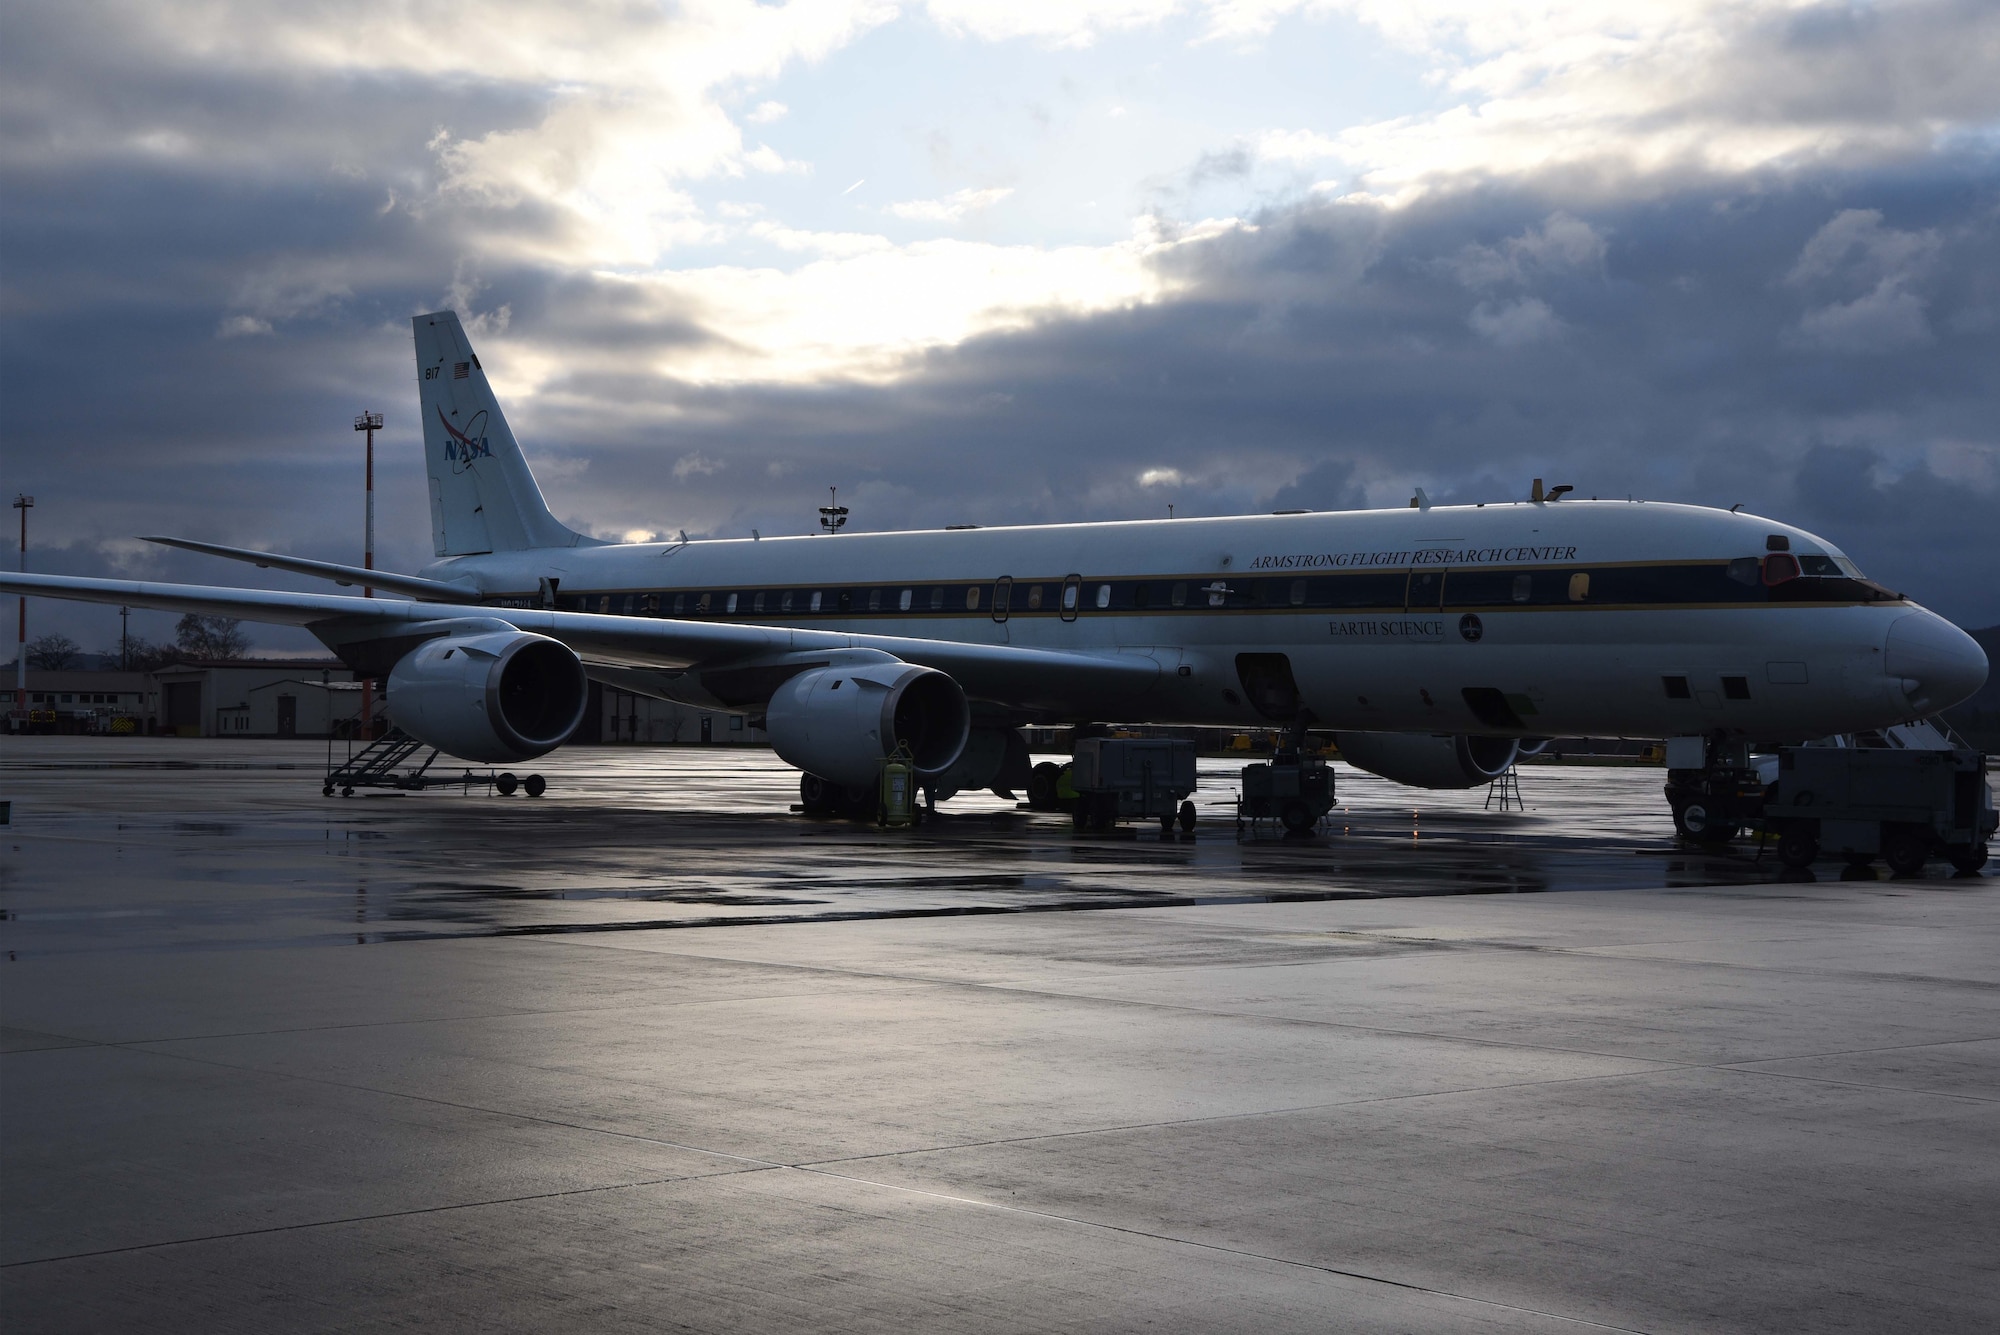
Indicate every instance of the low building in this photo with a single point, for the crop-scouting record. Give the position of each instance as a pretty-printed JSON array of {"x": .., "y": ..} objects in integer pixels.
[
  {"x": 70, "y": 701},
  {"x": 251, "y": 697},
  {"x": 616, "y": 716}
]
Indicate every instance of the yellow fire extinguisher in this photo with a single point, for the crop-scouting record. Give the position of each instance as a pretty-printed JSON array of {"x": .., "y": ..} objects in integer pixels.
[{"x": 899, "y": 789}]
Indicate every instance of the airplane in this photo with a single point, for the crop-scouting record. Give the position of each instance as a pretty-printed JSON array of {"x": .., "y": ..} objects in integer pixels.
[{"x": 1436, "y": 643}]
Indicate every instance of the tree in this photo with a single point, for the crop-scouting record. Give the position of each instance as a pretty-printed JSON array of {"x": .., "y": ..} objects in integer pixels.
[
  {"x": 142, "y": 655},
  {"x": 53, "y": 653},
  {"x": 210, "y": 637}
]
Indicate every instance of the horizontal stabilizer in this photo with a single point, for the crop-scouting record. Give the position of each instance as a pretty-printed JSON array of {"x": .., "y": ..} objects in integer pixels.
[{"x": 410, "y": 586}]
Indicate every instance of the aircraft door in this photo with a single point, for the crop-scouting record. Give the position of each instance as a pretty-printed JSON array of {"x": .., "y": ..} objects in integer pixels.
[
  {"x": 1268, "y": 683},
  {"x": 1003, "y": 594},
  {"x": 1072, "y": 594}
]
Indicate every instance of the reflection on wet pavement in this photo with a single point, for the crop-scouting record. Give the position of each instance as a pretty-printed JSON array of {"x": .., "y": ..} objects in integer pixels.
[{"x": 230, "y": 843}]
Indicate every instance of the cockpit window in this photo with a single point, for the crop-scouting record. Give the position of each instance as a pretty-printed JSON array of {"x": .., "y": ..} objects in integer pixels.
[
  {"x": 1746, "y": 570},
  {"x": 1819, "y": 565},
  {"x": 1780, "y": 567}
]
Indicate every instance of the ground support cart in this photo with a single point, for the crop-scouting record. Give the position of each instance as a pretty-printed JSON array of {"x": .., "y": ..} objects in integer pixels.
[
  {"x": 1858, "y": 803},
  {"x": 1147, "y": 778},
  {"x": 1294, "y": 789},
  {"x": 382, "y": 764}
]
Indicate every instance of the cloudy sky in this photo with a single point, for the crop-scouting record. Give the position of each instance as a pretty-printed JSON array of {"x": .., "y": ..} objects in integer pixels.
[{"x": 977, "y": 261}]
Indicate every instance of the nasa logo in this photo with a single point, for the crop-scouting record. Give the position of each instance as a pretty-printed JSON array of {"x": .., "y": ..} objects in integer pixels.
[
  {"x": 1469, "y": 626},
  {"x": 462, "y": 447}
]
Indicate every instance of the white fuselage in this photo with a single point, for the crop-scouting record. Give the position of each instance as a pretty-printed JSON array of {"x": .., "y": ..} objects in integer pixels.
[{"x": 1573, "y": 618}]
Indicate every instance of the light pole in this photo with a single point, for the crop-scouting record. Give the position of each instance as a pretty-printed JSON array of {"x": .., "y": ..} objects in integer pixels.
[
  {"x": 23, "y": 504},
  {"x": 124, "y": 639},
  {"x": 371, "y": 423}
]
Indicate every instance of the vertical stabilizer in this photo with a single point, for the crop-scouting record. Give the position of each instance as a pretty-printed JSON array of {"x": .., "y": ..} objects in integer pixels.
[{"x": 483, "y": 498}]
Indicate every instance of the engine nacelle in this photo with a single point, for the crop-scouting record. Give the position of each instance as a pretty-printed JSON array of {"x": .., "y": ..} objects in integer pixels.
[
  {"x": 840, "y": 722},
  {"x": 495, "y": 698},
  {"x": 1423, "y": 760}
]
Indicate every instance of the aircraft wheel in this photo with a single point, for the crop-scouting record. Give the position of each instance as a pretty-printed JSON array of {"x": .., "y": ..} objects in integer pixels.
[
  {"x": 1187, "y": 818},
  {"x": 1797, "y": 846},
  {"x": 1297, "y": 817},
  {"x": 1967, "y": 859},
  {"x": 535, "y": 785},
  {"x": 817, "y": 796},
  {"x": 1905, "y": 850},
  {"x": 506, "y": 783}
]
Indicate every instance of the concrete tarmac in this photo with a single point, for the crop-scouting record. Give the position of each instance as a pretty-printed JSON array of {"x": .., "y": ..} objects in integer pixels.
[{"x": 652, "y": 1053}]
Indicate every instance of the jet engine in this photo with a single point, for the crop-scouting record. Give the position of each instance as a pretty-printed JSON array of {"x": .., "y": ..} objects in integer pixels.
[
  {"x": 494, "y": 698},
  {"x": 1423, "y": 760},
  {"x": 840, "y": 722}
]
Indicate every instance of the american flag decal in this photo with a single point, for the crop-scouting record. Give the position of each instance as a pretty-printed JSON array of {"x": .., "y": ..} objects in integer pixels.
[{"x": 460, "y": 370}]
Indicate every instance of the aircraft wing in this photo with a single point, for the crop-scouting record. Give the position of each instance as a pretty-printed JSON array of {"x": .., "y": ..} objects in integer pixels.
[
  {"x": 411, "y": 586},
  {"x": 1001, "y": 673}
]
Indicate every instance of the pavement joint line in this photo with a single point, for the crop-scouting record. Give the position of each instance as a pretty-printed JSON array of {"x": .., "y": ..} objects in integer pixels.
[
  {"x": 1142, "y": 1003},
  {"x": 374, "y": 1218},
  {"x": 448, "y": 1103},
  {"x": 1242, "y": 1252},
  {"x": 1854, "y": 1084}
]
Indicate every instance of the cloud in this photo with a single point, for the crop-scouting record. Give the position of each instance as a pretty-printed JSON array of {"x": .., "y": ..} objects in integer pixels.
[
  {"x": 953, "y": 207},
  {"x": 1515, "y": 323},
  {"x": 1855, "y": 250},
  {"x": 766, "y": 112},
  {"x": 696, "y": 464}
]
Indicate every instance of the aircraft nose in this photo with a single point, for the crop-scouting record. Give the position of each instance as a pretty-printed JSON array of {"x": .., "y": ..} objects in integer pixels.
[{"x": 1939, "y": 664}]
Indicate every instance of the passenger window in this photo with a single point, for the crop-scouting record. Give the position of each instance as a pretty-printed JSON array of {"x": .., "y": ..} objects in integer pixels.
[
  {"x": 874, "y": 600},
  {"x": 701, "y": 605},
  {"x": 757, "y": 603},
  {"x": 1523, "y": 586},
  {"x": 1180, "y": 595},
  {"x": 903, "y": 603},
  {"x": 847, "y": 600},
  {"x": 680, "y": 603},
  {"x": 731, "y": 608},
  {"x": 604, "y": 603},
  {"x": 1069, "y": 597},
  {"x": 785, "y": 601},
  {"x": 1677, "y": 688},
  {"x": 972, "y": 599},
  {"x": 815, "y": 600},
  {"x": 1298, "y": 593},
  {"x": 652, "y": 604},
  {"x": 1141, "y": 597},
  {"x": 1579, "y": 586},
  {"x": 937, "y": 598},
  {"x": 1736, "y": 688},
  {"x": 1034, "y": 597},
  {"x": 1103, "y": 596}
]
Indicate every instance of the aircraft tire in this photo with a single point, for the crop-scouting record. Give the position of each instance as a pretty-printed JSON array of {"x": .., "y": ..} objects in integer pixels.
[
  {"x": 534, "y": 785},
  {"x": 818, "y": 797},
  {"x": 506, "y": 783}
]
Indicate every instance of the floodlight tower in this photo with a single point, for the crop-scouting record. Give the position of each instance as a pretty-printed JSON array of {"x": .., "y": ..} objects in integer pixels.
[
  {"x": 23, "y": 504},
  {"x": 833, "y": 515},
  {"x": 370, "y": 422}
]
